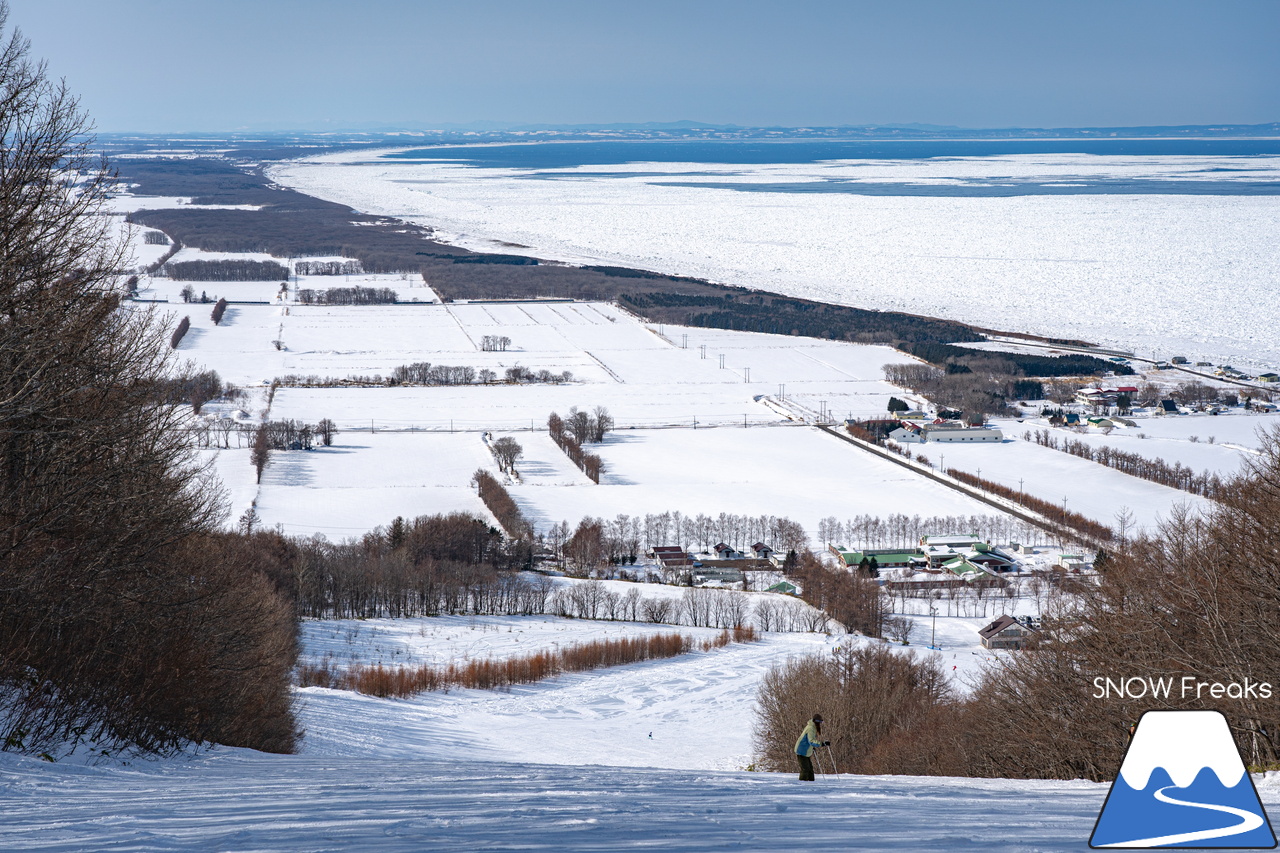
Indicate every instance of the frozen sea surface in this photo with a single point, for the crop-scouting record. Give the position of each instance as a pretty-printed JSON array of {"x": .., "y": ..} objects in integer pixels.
[{"x": 1049, "y": 243}]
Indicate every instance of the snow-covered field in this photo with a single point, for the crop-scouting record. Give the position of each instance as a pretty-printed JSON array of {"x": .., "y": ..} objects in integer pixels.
[
  {"x": 1220, "y": 444},
  {"x": 1163, "y": 273},
  {"x": 1094, "y": 490},
  {"x": 800, "y": 473},
  {"x": 691, "y": 436}
]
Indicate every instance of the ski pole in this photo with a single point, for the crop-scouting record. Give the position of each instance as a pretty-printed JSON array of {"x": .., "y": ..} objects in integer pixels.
[{"x": 818, "y": 762}]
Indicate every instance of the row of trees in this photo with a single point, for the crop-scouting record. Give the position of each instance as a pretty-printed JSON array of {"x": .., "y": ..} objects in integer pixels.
[
  {"x": 975, "y": 389},
  {"x": 228, "y": 270},
  {"x": 195, "y": 388},
  {"x": 696, "y": 607},
  {"x": 219, "y": 311},
  {"x": 519, "y": 375},
  {"x": 1177, "y": 475},
  {"x": 327, "y": 268},
  {"x": 498, "y": 501},
  {"x": 578, "y": 428},
  {"x": 503, "y": 674},
  {"x": 1157, "y": 612},
  {"x": 1090, "y": 531},
  {"x": 426, "y": 373},
  {"x": 620, "y": 540},
  {"x": 346, "y": 295},
  {"x": 589, "y": 463},
  {"x": 454, "y": 563},
  {"x": 495, "y": 343},
  {"x": 861, "y": 532},
  {"x": 179, "y": 332},
  {"x": 284, "y": 435}
]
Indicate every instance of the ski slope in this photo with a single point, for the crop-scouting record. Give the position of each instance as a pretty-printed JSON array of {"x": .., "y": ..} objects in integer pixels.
[
  {"x": 646, "y": 756},
  {"x": 237, "y": 800}
]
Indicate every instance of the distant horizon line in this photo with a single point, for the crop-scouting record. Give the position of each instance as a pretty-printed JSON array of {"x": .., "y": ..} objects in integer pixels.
[{"x": 900, "y": 130}]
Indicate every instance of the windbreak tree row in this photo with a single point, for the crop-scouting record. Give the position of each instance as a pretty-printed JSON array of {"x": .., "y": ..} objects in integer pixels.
[{"x": 578, "y": 428}]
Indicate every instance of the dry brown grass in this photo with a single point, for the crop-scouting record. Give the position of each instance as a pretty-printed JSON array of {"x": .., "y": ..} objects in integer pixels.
[{"x": 490, "y": 674}]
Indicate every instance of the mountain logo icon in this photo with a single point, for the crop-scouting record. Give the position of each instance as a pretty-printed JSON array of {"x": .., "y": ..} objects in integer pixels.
[{"x": 1183, "y": 784}]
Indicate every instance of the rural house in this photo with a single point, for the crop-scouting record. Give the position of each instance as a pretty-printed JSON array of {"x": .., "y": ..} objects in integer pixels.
[{"x": 1006, "y": 633}]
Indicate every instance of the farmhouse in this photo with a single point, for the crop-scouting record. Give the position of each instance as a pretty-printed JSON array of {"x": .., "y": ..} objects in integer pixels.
[
  {"x": 884, "y": 558},
  {"x": 726, "y": 552},
  {"x": 962, "y": 567},
  {"x": 941, "y": 550},
  {"x": 672, "y": 557},
  {"x": 907, "y": 434},
  {"x": 957, "y": 433},
  {"x": 1006, "y": 633}
]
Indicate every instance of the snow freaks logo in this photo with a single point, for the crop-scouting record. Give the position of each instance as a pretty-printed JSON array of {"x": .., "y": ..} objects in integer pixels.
[{"x": 1183, "y": 784}]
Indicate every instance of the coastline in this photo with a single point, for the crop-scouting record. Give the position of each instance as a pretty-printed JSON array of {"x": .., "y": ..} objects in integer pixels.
[{"x": 481, "y": 209}]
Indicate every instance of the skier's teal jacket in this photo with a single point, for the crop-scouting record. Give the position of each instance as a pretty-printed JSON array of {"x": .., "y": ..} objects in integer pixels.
[{"x": 809, "y": 740}]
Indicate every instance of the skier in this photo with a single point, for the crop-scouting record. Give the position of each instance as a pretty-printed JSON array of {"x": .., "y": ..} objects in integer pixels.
[{"x": 808, "y": 742}]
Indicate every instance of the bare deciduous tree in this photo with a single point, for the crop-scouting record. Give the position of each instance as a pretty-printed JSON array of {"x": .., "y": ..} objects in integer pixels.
[
  {"x": 506, "y": 451},
  {"x": 125, "y": 619}
]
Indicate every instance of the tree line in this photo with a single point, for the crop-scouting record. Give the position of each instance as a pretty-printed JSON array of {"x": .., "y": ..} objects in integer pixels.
[
  {"x": 490, "y": 674},
  {"x": 285, "y": 435},
  {"x": 1176, "y": 476},
  {"x": 327, "y": 268},
  {"x": 347, "y": 296},
  {"x": 898, "y": 530},
  {"x": 579, "y": 428},
  {"x": 1012, "y": 363},
  {"x": 498, "y": 501},
  {"x": 1091, "y": 531},
  {"x": 426, "y": 373},
  {"x": 228, "y": 270},
  {"x": 697, "y": 607},
  {"x": 981, "y": 387},
  {"x": 597, "y": 542}
]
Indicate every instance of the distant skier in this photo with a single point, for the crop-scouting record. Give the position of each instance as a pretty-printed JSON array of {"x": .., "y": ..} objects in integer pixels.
[{"x": 810, "y": 739}]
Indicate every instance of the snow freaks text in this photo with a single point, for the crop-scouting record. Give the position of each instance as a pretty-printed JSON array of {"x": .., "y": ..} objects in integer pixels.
[{"x": 1184, "y": 687}]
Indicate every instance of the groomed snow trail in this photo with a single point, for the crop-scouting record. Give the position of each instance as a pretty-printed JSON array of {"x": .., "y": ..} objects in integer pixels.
[{"x": 239, "y": 800}]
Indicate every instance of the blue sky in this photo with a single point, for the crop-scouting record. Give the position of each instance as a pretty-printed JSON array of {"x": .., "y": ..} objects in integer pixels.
[{"x": 147, "y": 65}]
